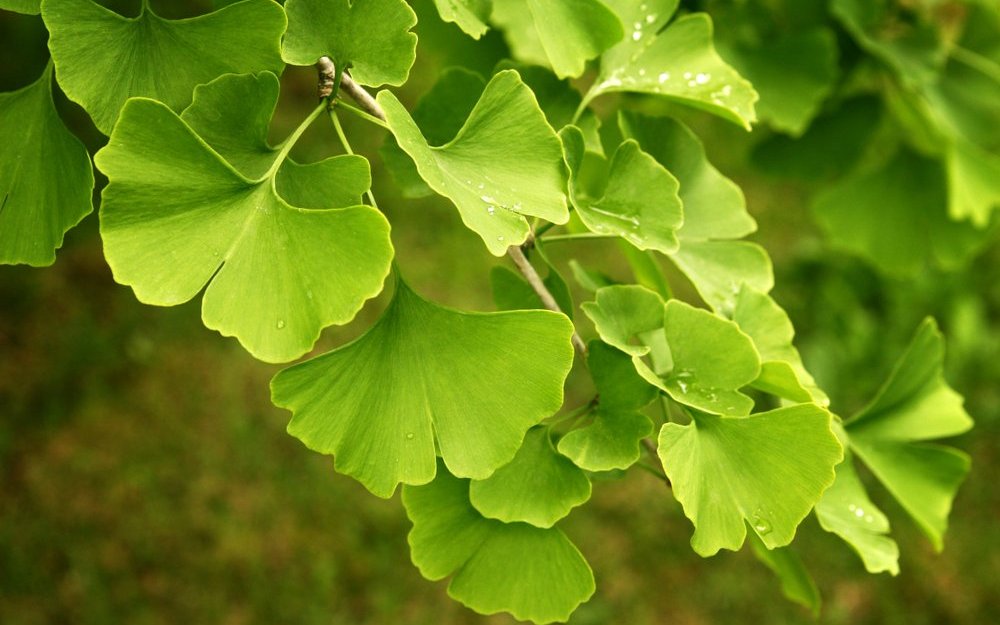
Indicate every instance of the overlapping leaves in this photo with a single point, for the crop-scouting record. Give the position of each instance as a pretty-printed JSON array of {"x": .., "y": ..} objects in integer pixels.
[{"x": 177, "y": 215}]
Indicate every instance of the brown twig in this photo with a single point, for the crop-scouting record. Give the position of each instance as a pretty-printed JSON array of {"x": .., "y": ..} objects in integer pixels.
[{"x": 529, "y": 273}]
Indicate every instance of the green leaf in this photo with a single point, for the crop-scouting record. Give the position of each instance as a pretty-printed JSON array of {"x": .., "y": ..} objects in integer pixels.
[
  {"x": 31, "y": 7},
  {"x": 889, "y": 435},
  {"x": 46, "y": 179},
  {"x": 910, "y": 47},
  {"x": 720, "y": 269},
  {"x": 539, "y": 486},
  {"x": 589, "y": 279},
  {"x": 506, "y": 162},
  {"x": 973, "y": 182},
  {"x": 439, "y": 114},
  {"x": 796, "y": 582},
  {"x": 470, "y": 15},
  {"x": 678, "y": 62},
  {"x": 512, "y": 292},
  {"x": 612, "y": 439},
  {"x": 846, "y": 511},
  {"x": 371, "y": 37},
  {"x": 563, "y": 34},
  {"x": 768, "y": 470},
  {"x": 771, "y": 330},
  {"x": 880, "y": 214},
  {"x": 623, "y": 313},
  {"x": 712, "y": 360},
  {"x": 793, "y": 74},
  {"x": 639, "y": 202},
  {"x": 471, "y": 383},
  {"x": 534, "y": 574},
  {"x": 176, "y": 216},
  {"x": 102, "y": 58}
]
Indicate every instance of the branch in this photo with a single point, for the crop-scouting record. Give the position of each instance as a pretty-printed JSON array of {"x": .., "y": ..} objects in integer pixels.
[
  {"x": 327, "y": 77},
  {"x": 528, "y": 271},
  {"x": 651, "y": 448}
]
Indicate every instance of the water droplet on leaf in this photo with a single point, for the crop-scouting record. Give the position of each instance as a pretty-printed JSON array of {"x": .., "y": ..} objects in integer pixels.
[{"x": 281, "y": 324}]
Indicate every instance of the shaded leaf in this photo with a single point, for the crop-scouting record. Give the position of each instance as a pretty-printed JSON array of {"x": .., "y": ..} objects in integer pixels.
[
  {"x": 46, "y": 179},
  {"x": 31, "y": 7},
  {"x": 470, "y": 15},
  {"x": 768, "y": 469},
  {"x": 371, "y": 37},
  {"x": 102, "y": 58},
  {"x": 424, "y": 376},
  {"x": 505, "y": 163},
  {"x": 796, "y": 582},
  {"x": 534, "y": 574}
]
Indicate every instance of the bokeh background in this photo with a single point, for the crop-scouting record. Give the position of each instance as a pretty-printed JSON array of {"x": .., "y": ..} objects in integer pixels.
[{"x": 145, "y": 477}]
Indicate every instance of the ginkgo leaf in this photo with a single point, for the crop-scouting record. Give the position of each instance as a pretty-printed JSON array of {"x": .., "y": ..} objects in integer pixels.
[
  {"x": 793, "y": 74},
  {"x": 890, "y": 435},
  {"x": 782, "y": 371},
  {"x": 512, "y": 292},
  {"x": 31, "y": 7},
  {"x": 36, "y": 206},
  {"x": 714, "y": 214},
  {"x": 563, "y": 34},
  {"x": 539, "y": 486},
  {"x": 796, "y": 582},
  {"x": 859, "y": 212},
  {"x": 678, "y": 62},
  {"x": 768, "y": 469},
  {"x": 469, "y": 384},
  {"x": 471, "y": 16},
  {"x": 102, "y": 58},
  {"x": 176, "y": 217},
  {"x": 371, "y": 37},
  {"x": 439, "y": 114},
  {"x": 232, "y": 114},
  {"x": 639, "y": 202},
  {"x": 847, "y": 511},
  {"x": 506, "y": 162},
  {"x": 611, "y": 440},
  {"x": 712, "y": 360},
  {"x": 621, "y": 314},
  {"x": 533, "y": 573},
  {"x": 973, "y": 182}
]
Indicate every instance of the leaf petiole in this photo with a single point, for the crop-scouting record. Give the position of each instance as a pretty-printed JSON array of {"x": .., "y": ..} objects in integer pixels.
[
  {"x": 362, "y": 114},
  {"x": 292, "y": 139},
  {"x": 575, "y": 237},
  {"x": 347, "y": 147}
]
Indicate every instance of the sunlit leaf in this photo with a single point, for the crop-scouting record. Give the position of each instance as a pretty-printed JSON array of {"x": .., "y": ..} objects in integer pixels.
[
  {"x": 622, "y": 313},
  {"x": 890, "y": 435},
  {"x": 767, "y": 470},
  {"x": 470, "y": 15},
  {"x": 539, "y": 486},
  {"x": 470, "y": 384},
  {"x": 505, "y": 163},
  {"x": 371, "y": 37},
  {"x": 678, "y": 62},
  {"x": 176, "y": 216},
  {"x": 46, "y": 179},
  {"x": 102, "y": 58},
  {"x": 535, "y": 574}
]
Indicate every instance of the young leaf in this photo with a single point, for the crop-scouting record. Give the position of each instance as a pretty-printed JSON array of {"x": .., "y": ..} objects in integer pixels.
[
  {"x": 102, "y": 58},
  {"x": 782, "y": 371},
  {"x": 611, "y": 440},
  {"x": 371, "y": 37},
  {"x": 712, "y": 360},
  {"x": 846, "y": 511},
  {"x": 639, "y": 202},
  {"x": 623, "y": 313},
  {"x": 439, "y": 114},
  {"x": 506, "y": 162},
  {"x": 882, "y": 215},
  {"x": 470, "y": 15},
  {"x": 473, "y": 383},
  {"x": 796, "y": 582},
  {"x": 768, "y": 469},
  {"x": 176, "y": 216},
  {"x": 534, "y": 574},
  {"x": 889, "y": 435},
  {"x": 567, "y": 33},
  {"x": 539, "y": 486},
  {"x": 678, "y": 62},
  {"x": 46, "y": 179}
]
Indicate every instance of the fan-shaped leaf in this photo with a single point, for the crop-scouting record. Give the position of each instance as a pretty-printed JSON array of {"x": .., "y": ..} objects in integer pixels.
[
  {"x": 102, "y": 58},
  {"x": 470, "y": 15},
  {"x": 31, "y": 7},
  {"x": 470, "y": 384},
  {"x": 622, "y": 314},
  {"x": 46, "y": 179}
]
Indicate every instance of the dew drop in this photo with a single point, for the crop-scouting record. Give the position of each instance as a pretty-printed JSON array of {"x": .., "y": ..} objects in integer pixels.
[
  {"x": 637, "y": 26},
  {"x": 491, "y": 209},
  {"x": 215, "y": 254},
  {"x": 869, "y": 519},
  {"x": 701, "y": 79},
  {"x": 688, "y": 75},
  {"x": 500, "y": 238},
  {"x": 281, "y": 324},
  {"x": 636, "y": 36},
  {"x": 651, "y": 18},
  {"x": 409, "y": 436},
  {"x": 481, "y": 185},
  {"x": 664, "y": 77},
  {"x": 642, "y": 72},
  {"x": 859, "y": 513},
  {"x": 761, "y": 524}
]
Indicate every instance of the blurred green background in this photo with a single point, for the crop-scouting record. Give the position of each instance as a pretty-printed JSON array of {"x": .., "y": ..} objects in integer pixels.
[{"x": 146, "y": 478}]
